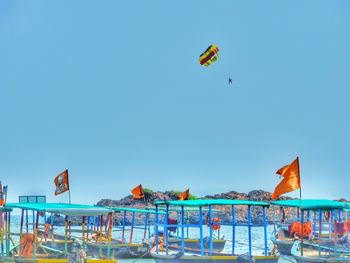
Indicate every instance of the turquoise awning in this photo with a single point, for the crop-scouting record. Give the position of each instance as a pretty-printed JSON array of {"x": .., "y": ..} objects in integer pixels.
[
  {"x": 5, "y": 209},
  {"x": 312, "y": 204},
  {"x": 207, "y": 202},
  {"x": 62, "y": 208},
  {"x": 135, "y": 210}
]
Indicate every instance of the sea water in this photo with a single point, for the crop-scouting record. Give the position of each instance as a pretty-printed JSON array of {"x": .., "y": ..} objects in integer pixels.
[{"x": 241, "y": 236}]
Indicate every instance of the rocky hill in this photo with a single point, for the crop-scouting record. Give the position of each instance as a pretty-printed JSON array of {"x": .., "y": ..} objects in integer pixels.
[{"x": 225, "y": 212}]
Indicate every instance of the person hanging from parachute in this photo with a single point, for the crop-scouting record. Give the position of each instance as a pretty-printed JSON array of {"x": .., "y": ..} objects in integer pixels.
[{"x": 210, "y": 55}]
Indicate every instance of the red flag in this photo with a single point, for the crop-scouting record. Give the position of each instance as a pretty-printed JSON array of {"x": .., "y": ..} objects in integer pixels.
[
  {"x": 184, "y": 195},
  {"x": 137, "y": 192},
  {"x": 62, "y": 183},
  {"x": 290, "y": 181}
]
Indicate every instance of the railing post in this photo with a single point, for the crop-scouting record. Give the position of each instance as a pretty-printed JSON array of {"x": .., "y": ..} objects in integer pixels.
[
  {"x": 156, "y": 228},
  {"x": 233, "y": 213},
  {"x": 302, "y": 233},
  {"x": 132, "y": 226},
  {"x": 319, "y": 231},
  {"x": 249, "y": 231},
  {"x": 166, "y": 230},
  {"x": 201, "y": 231},
  {"x": 146, "y": 223},
  {"x": 182, "y": 230},
  {"x": 265, "y": 231},
  {"x": 8, "y": 233},
  {"x": 21, "y": 232},
  {"x": 65, "y": 235},
  {"x": 314, "y": 223},
  {"x": 211, "y": 231},
  {"x": 27, "y": 221},
  {"x": 123, "y": 227}
]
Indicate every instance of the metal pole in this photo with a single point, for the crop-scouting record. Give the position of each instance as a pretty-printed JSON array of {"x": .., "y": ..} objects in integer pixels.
[
  {"x": 21, "y": 231},
  {"x": 211, "y": 231},
  {"x": 156, "y": 228},
  {"x": 319, "y": 231},
  {"x": 101, "y": 233},
  {"x": 182, "y": 230},
  {"x": 123, "y": 227},
  {"x": 166, "y": 230},
  {"x": 109, "y": 232},
  {"x": 8, "y": 234},
  {"x": 201, "y": 230},
  {"x": 35, "y": 230},
  {"x": 249, "y": 232},
  {"x": 265, "y": 231},
  {"x": 132, "y": 227},
  {"x": 65, "y": 235},
  {"x": 27, "y": 221},
  {"x": 146, "y": 223},
  {"x": 233, "y": 212},
  {"x": 302, "y": 233},
  {"x": 314, "y": 223}
]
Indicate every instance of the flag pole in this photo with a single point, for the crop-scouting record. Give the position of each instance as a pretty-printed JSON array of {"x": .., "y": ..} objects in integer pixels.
[
  {"x": 5, "y": 194},
  {"x": 68, "y": 187},
  {"x": 301, "y": 213},
  {"x": 69, "y": 196},
  {"x": 144, "y": 198}
]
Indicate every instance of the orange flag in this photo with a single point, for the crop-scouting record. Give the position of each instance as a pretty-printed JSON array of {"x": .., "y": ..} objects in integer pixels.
[
  {"x": 184, "y": 195},
  {"x": 62, "y": 183},
  {"x": 290, "y": 181},
  {"x": 137, "y": 192}
]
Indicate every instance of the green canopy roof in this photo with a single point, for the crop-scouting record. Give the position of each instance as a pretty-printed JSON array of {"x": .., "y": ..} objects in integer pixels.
[
  {"x": 312, "y": 204},
  {"x": 61, "y": 208},
  {"x": 207, "y": 202},
  {"x": 135, "y": 210}
]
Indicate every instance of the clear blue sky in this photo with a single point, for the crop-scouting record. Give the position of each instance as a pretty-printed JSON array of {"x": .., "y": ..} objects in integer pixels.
[{"x": 113, "y": 91}]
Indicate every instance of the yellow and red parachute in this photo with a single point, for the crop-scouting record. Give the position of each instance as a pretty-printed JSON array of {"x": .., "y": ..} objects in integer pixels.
[{"x": 209, "y": 55}]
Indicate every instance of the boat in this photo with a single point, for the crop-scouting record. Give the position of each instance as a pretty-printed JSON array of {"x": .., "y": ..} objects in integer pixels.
[
  {"x": 123, "y": 242},
  {"x": 317, "y": 213},
  {"x": 314, "y": 253},
  {"x": 192, "y": 243},
  {"x": 163, "y": 251},
  {"x": 31, "y": 248},
  {"x": 335, "y": 248}
]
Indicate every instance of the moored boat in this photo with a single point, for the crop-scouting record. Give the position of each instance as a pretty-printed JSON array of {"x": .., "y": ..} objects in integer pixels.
[
  {"x": 124, "y": 243},
  {"x": 31, "y": 248},
  {"x": 316, "y": 253},
  {"x": 334, "y": 248},
  {"x": 317, "y": 214},
  {"x": 163, "y": 251}
]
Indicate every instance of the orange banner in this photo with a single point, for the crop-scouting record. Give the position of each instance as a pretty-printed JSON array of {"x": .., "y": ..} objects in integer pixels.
[
  {"x": 184, "y": 195},
  {"x": 290, "y": 181},
  {"x": 137, "y": 192}
]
